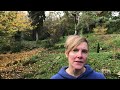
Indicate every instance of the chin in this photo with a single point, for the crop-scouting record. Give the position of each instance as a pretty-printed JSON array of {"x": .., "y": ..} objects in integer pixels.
[{"x": 78, "y": 67}]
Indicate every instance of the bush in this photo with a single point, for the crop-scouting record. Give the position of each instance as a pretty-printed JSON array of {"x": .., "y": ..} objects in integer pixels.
[
  {"x": 114, "y": 26},
  {"x": 4, "y": 48},
  {"x": 16, "y": 47},
  {"x": 100, "y": 30},
  {"x": 28, "y": 45},
  {"x": 58, "y": 46},
  {"x": 45, "y": 43}
]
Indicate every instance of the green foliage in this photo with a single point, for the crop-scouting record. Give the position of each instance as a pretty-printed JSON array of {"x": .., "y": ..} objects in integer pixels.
[
  {"x": 100, "y": 30},
  {"x": 103, "y": 60},
  {"x": 4, "y": 48},
  {"x": 4, "y": 44},
  {"x": 116, "y": 41},
  {"x": 27, "y": 35},
  {"x": 114, "y": 56},
  {"x": 114, "y": 26},
  {"x": 13, "y": 21},
  {"x": 29, "y": 45},
  {"x": 32, "y": 60},
  {"x": 16, "y": 47},
  {"x": 37, "y": 18},
  {"x": 11, "y": 25},
  {"x": 58, "y": 46},
  {"x": 48, "y": 62},
  {"x": 45, "y": 43}
]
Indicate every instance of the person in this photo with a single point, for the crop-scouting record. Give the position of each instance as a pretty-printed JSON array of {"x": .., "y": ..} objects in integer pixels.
[{"x": 76, "y": 51}]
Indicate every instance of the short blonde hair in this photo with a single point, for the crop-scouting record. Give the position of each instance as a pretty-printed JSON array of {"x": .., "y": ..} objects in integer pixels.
[{"x": 73, "y": 41}]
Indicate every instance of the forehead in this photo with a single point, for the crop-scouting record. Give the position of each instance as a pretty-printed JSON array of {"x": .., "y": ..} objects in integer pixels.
[{"x": 82, "y": 45}]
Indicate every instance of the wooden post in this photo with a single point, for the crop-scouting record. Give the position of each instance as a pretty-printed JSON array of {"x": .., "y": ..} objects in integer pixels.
[{"x": 98, "y": 48}]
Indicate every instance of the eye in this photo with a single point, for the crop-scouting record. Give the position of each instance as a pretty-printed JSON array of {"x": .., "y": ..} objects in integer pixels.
[
  {"x": 75, "y": 50},
  {"x": 85, "y": 51}
]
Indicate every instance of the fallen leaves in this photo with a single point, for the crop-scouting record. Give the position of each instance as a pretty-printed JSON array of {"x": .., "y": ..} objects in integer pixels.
[{"x": 8, "y": 67}]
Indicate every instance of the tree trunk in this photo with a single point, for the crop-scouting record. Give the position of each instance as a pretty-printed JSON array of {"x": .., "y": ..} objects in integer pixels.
[
  {"x": 75, "y": 29},
  {"x": 87, "y": 27},
  {"x": 34, "y": 34},
  {"x": 37, "y": 38}
]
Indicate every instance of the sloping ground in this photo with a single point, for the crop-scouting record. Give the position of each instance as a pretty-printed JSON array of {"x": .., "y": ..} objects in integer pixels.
[{"x": 7, "y": 62}]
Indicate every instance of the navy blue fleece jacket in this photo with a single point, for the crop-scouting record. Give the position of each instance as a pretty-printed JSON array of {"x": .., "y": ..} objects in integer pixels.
[{"x": 88, "y": 74}]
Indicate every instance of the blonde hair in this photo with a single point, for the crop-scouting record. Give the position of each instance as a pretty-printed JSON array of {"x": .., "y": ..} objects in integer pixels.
[{"x": 73, "y": 41}]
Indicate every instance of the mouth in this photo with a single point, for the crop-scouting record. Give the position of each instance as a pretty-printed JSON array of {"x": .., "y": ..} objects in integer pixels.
[{"x": 79, "y": 61}]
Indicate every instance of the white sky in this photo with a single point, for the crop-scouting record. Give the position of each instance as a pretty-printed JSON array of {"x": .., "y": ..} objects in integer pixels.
[
  {"x": 47, "y": 12},
  {"x": 114, "y": 13}
]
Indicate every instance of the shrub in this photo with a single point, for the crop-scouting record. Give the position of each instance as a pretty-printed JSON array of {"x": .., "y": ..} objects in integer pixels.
[
  {"x": 16, "y": 47},
  {"x": 100, "y": 30}
]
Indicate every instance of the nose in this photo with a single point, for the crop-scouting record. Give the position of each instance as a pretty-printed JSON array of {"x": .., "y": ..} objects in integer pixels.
[{"x": 79, "y": 54}]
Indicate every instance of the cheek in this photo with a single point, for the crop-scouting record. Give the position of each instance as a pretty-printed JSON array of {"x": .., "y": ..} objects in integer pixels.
[
  {"x": 71, "y": 56},
  {"x": 85, "y": 56}
]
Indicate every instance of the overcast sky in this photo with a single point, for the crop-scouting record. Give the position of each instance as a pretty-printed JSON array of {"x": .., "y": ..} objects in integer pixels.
[{"x": 114, "y": 13}]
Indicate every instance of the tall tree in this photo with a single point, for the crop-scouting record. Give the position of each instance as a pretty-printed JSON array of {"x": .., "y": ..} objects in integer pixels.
[
  {"x": 75, "y": 16},
  {"x": 37, "y": 20},
  {"x": 13, "y": 21}
]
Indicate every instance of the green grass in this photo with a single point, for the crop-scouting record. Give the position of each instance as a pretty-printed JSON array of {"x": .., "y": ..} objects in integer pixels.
[
  {"x": 99, "y": 61},
  {"x": 50, "y": 61}
]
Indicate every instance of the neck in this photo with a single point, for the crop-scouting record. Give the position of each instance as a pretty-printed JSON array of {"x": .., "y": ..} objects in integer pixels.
[{"x": 75, "y": 72}]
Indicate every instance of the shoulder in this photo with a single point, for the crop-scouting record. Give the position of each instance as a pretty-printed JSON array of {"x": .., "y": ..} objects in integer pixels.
[
  {"x": 99, "y": 75},
  {"x": 61, "y": 74},
  {"x": 56, "y": 76},
  {"x": 94, "y": 74}
]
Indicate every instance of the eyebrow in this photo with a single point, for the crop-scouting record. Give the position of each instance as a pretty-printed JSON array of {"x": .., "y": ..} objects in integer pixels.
[
  {"x": 78, "y": 49},
  {"x": 84, "y": 49}
]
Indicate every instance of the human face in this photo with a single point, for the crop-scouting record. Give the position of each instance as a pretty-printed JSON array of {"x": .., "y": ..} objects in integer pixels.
[{"x": 78, "y": 56}]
